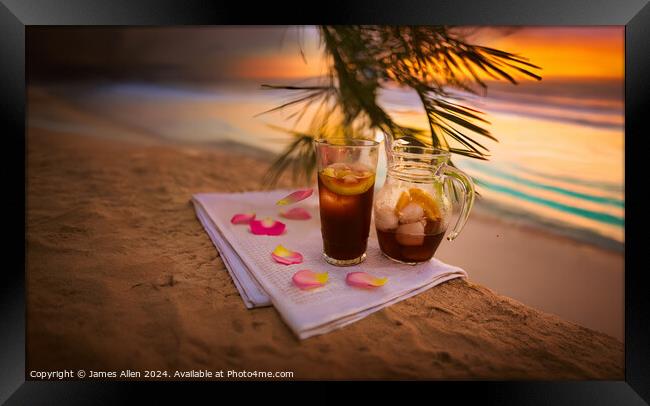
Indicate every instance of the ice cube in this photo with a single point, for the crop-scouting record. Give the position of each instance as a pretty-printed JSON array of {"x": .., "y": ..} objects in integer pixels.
[
  {"x": 434, "y": 227},
  {"x": 359, "y": 167},
  {"x": 363, "y": 175},
  {"x": 338, "y": 166},
  {"x": 410, "y": 234},
  {"x": 350, "y": 179},
  {"x": 385, "y": 219},
  {"x": 411, "y": 213}
]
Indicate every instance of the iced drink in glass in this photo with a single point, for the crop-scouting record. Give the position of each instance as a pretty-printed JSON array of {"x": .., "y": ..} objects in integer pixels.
[{"x": 346, "y": 179}]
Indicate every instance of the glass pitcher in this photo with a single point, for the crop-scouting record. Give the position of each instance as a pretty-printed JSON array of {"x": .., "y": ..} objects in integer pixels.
[{"x": 413, "y": 209}]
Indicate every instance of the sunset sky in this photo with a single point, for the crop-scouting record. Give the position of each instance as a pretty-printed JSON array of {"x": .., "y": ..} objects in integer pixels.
[
  {"x": 562, "y": 52},
  {"x": 272, "y": 52},
  {"x": 568, "y": 52}
]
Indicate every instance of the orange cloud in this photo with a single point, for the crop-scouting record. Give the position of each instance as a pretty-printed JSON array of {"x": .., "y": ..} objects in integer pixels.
[
  {"x": 567, "y": 52},
  {"x": 561, "y": 52},
  {"x": 278, "y": 67}
]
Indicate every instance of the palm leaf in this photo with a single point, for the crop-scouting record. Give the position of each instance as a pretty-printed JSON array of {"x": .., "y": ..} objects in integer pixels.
[{"x": 428, "y": 59}]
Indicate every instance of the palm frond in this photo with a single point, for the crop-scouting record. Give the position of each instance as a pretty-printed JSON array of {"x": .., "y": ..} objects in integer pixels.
[
  {"x": 299, "y": 155},
  {"x": 431, "y": 60}
]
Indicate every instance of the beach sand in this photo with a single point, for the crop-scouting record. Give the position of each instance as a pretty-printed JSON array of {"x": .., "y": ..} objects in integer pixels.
[
  {"x": 121, "y": 275},
  {"x": 577, "y": 281}
]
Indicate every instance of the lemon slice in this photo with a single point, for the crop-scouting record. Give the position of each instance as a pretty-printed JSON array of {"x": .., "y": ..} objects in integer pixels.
[
  {"x": 331, "y": 172},
  {"x": 347, "y": 185},
  {"x": 426, "y": 201}
]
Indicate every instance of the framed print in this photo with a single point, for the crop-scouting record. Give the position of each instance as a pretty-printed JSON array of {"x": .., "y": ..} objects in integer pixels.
[{"x": 447, "y": 193}]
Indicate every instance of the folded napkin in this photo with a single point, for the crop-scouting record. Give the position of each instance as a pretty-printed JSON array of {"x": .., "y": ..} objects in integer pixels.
[
  {"x": 261, "y": 281},
  {"x": 250, "y": 291}
]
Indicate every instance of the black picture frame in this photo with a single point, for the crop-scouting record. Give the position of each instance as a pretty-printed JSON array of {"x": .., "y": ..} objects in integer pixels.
[{"x": 16, "y": 15}]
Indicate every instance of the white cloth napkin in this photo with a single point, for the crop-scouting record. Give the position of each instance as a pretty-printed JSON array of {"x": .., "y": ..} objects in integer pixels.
[{"x": 261, "y": 281}]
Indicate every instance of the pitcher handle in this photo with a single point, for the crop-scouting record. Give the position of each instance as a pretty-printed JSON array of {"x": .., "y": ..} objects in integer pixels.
[{"x": 468, "y": 198}]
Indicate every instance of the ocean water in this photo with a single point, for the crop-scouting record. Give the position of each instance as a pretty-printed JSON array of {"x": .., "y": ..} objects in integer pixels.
[{"x": 559, "y": 162}]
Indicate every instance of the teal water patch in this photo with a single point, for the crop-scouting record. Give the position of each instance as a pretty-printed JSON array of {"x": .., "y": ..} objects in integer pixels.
[
  {"x": 504, "y": 211},
  {"x": 590, "y": 214},
  {"x": 607, "y": 186},
  {"x": 610, "y": 201}
]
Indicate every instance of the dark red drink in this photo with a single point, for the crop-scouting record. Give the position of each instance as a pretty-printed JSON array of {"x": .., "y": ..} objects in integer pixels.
[
  {"x": 411, "y": 248},
  {"x": 412, "y": 230},
  {"x": 345, "y": 195}
]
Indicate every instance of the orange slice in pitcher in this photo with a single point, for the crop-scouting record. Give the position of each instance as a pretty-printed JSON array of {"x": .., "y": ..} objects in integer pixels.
[
  {"x": 426, "y": 201},
  {"x": 403, "y": 200},
  {"x": 347, "y": 183}
]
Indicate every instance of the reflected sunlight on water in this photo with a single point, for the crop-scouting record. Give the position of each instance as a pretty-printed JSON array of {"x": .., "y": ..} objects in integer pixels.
[{"x": 559, "y": 160}]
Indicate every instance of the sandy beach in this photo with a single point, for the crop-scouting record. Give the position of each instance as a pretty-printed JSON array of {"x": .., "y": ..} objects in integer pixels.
[
  {"x": 120, "y": 274},
  {"x": 577, "y": 281}
]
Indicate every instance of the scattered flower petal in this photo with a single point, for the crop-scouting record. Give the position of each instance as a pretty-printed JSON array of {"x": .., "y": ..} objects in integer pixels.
[
  {"x": 286, "y": 256},
  {"x": 242, "y": 218},
  {"x": 295, "y": 197},
  {"x": 307, "y": 279},
  {"x": 297, "y": 213},
  {"x": 267, "y": 226},
  {"x": 364, "y": 280}
]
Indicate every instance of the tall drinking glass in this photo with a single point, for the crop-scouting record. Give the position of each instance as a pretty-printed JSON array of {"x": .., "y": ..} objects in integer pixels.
[{"x": 346, "y": 179}]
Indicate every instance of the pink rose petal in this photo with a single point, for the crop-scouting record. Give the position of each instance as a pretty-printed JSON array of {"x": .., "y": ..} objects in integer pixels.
[
  {"x": 364, "y": 280},
  {"x": 242, "y": 218},
  {"x": 307, "y": 279},
  {"x": 296, "y": 213},
  {"x": 268, "y": 226},
  {"x": 295, "y": 197},
  {"x": 286, "y": 256}
]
